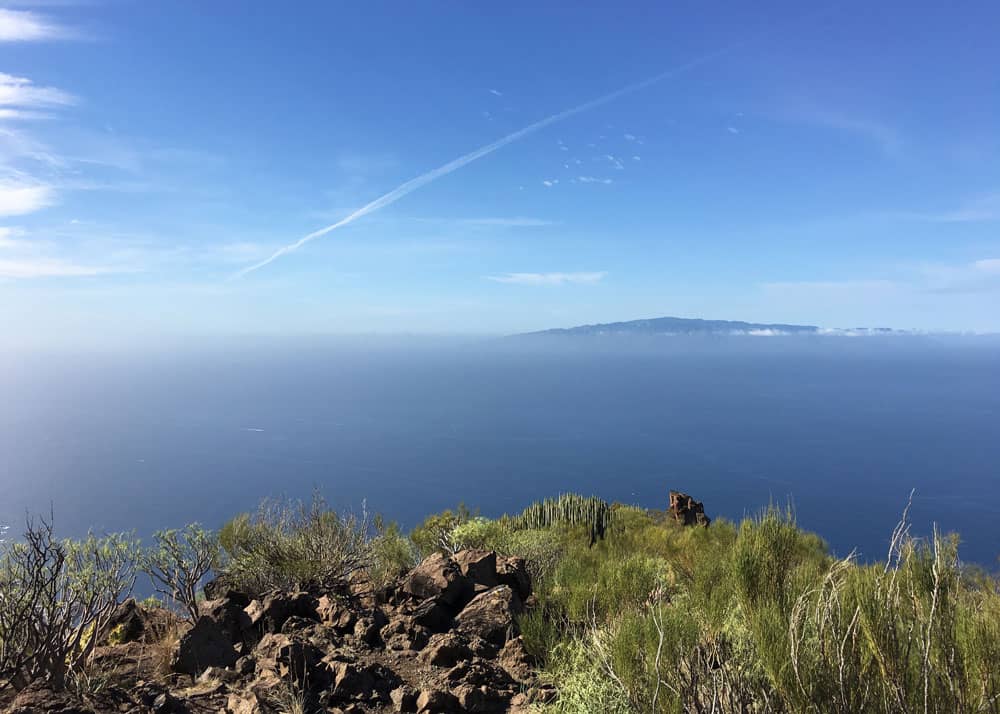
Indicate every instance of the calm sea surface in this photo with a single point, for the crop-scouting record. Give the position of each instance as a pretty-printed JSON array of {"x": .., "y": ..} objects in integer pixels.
[{"x": 842, "y": 427}]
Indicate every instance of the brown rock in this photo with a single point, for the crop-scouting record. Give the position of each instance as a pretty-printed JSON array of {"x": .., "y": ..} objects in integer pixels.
[
  {"x": 482, "y": 698},
  {"x": 336, "y": 614},
  {"x": 37, "y": 699},
  {"x": 686, "y": 510},
  {"x": 228, "y": 612},
  {"x": 350, "y": 680},
  {"x": 436, "y": 701},
  {"x": 516, "y": 661},
  {"x": 437, "y": 576},
  {"x": 432, "y": 615},
  {"x": 302, "y": 662},
  {"x": 490, "y": 615},
  {"x": 270, "y": 614},
  {"x": 403, "y": 699},
  {"x": 479, "y": 566},
  {"x": 204, "y": 645},
  {"x": 513, "y": 571},
  {"x": 245, "y": 703},
  {"x": 445, "y": 650},
  {"x": 218, "y": 674},
  {"x": 127, "y": 623},
  {"x": 478, "y": 672},
  {"x": 404, "y": 633}
]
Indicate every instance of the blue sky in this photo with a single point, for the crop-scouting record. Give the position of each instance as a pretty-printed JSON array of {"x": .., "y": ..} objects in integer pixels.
[{"x": 837, "y": 166}]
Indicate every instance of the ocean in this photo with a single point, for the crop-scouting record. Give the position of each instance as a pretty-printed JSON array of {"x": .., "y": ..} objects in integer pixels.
[{"x": 841, "y": 428}]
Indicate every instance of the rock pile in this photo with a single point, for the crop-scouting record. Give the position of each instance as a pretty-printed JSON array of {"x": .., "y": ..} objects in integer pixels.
[{"x": 443, "y": 638}]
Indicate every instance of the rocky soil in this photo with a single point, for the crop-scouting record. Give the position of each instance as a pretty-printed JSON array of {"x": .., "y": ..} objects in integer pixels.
[{"x": 443, "y": 638}]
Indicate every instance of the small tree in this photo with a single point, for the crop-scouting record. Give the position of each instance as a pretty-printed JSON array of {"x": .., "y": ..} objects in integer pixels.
[
  {"x": 179, "y": 562},
  {"x": 56, "y": 597},
  {"x": 435, "y": 533}
]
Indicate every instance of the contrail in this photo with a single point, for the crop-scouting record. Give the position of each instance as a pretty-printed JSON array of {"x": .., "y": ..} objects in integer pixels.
[{"x": 420, "y": 181}]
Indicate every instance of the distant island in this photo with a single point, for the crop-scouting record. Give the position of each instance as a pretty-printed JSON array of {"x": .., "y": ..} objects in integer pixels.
[{"x": 670, "y": 326}]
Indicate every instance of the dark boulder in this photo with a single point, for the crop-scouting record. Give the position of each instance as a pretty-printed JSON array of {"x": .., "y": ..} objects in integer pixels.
[
  {"x": 687, "y": 511},
  {"x": 228, "y": 612},
  {"x": 334, "y": 612},
  {"x": 128, "y": 623},
  {"x": 269, "y": 615},
  {"x": 491, "y": 614},
  {"x": 479, "y": 566},
  {"x": 437, "y": 701},
  {"x": 204, "y": 645},
  {"x": 437, "y": 576},
  {"x": 432, "y": 615},
  {"x": 446, "y": 650},
  {"x": 513, "y": 571}
]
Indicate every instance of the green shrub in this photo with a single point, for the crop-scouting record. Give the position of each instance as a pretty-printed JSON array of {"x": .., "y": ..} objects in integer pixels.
[
  {"x": 583, "y": 684},
  {"x": 434, "y": 534},
  {"x": 392, "y": 554},
  {"x": 292, "y": 544}
]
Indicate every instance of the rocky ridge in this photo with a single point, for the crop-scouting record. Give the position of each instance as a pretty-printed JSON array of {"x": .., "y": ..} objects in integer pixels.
[{"x": 443, "y": 638}]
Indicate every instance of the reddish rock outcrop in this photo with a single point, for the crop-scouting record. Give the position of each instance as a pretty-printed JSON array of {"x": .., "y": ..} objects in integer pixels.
[{"x": 686, "y": 510}]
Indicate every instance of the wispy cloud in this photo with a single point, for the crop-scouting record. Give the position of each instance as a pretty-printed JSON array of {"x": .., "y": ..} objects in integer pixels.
[
  {"x": 978, "y": 276},
  {"x": 593, "y": 179},
  {"x": 981, "y": 275},
  {"x": 8, "y": 239},
  {"x": 514, "y": 222},
  {"x": 615, "y": 161},
  {"x": 886, "y": 137},
  {"x": 496, "y": 92},
  {"x": 27, "y": 26},
  {"x": 18, "y": 198},
  {"x": 27, "y": 268},
  {"x": 588, "y": 278},
  {"x": 20, "y": 93},
  {"x": 549, "y": 183}
]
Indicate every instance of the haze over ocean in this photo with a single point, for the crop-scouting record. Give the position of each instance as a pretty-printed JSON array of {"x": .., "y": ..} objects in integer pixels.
[{"x": 844, "y": 427}]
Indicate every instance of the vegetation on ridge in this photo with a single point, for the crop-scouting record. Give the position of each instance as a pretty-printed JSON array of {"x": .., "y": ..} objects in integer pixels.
[
  {"x": 631, "y": 612},
  {"x": 752, "y": 617}
]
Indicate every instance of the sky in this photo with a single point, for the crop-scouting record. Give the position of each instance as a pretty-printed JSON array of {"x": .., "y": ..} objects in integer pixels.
[{"x": 485, "y": 169}]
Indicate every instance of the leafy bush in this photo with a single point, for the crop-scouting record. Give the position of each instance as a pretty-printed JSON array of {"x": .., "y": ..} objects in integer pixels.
[
  {"x": 292, "y": 544},
  {"x": 53, "y": 596},
  {"x": 434, "y": 534},
  {"x": 179, "y": 563},
  {"x": 392, "y": 554}
]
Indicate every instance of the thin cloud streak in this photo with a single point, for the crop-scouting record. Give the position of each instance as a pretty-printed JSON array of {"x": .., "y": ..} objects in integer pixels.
[
  {"x": 493, "y": 221},
  {"x": 47, "y": 268},
  {"x": 548, "y": 278},
  {"x": 421, "y": 181}
]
